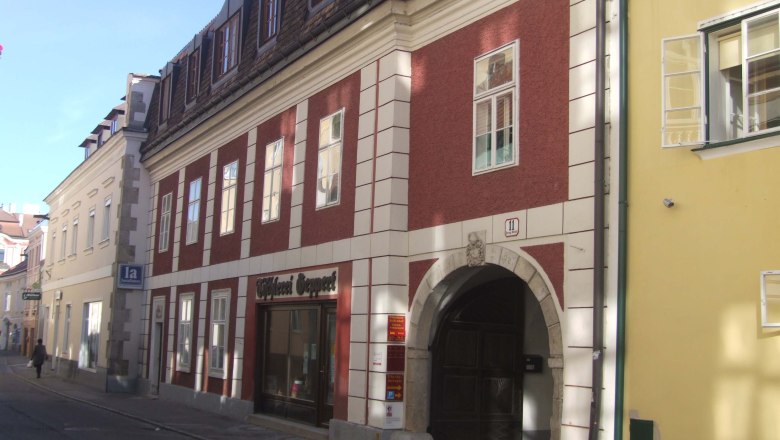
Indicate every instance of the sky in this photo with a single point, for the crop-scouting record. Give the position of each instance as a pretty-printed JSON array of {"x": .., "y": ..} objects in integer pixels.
[{"x": 64, "y": 66}]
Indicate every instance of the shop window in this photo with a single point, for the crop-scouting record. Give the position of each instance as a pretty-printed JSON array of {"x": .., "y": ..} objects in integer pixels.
[
  {"x": 90, "y": 335},
  {"x": 272, "y": 180},
  {"x": 495, "y": 113},
  {"x": 299, "y": 362},
  {"x": 329, "y": 160},
  {"x": 229, "y": 195},
  {"x": 739, "y": 88}
]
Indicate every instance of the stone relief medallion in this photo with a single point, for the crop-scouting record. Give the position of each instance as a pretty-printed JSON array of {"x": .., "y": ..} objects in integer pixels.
[{"x": 475, "y": 250}]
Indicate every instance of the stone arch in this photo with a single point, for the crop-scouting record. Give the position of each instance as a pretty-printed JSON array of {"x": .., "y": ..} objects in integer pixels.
[{"x": 430, "y": 300}]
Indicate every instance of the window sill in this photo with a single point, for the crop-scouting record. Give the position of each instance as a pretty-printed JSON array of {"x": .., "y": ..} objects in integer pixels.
[
  {"x": 183, "y": 369},
  {"x": 217, "y": 374},
  {"x": 738, "y": 146},
  {"x": 103, "y": 243},
  {"x": 225, "y": 76}
]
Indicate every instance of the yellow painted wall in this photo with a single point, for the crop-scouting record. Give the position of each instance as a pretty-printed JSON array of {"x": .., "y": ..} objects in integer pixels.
[{"x": 698, "y": 362}]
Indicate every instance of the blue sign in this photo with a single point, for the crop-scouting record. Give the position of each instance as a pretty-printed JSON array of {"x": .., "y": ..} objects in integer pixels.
[{"x": 131, "y": 276}]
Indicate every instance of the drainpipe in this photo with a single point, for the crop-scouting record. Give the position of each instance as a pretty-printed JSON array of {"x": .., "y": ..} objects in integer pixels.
[
  {"x": 598, "y": 226},
  {"x": 622, "y": 216}
]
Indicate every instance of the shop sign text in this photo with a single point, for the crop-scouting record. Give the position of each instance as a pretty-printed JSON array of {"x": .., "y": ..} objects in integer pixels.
[{"x": 268, "y": 288}]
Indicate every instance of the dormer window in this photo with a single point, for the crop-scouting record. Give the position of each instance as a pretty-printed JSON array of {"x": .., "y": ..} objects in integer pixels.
[
  {"x": 316, "y": 5},
  {"x": 165, "y": 98},
  {"x": 193, "y": 75},
  {"x": 114, "y": 126},
  {"x": 226, "y": 46},
  {"x": 270, "y": 19}
]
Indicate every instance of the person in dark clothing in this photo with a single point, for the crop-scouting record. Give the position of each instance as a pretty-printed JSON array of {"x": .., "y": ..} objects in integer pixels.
[{"x": 38, "y": 357}]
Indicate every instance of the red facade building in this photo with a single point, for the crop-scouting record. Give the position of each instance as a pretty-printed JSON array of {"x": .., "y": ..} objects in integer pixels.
[{"x": 378, "y": 216}]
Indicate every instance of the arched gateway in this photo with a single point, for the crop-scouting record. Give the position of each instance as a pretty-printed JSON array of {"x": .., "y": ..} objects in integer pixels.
[{"x": 484, "y": 354}]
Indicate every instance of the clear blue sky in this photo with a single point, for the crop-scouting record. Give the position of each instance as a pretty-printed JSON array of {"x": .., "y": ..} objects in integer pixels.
[{"x": 64, "y": 67}]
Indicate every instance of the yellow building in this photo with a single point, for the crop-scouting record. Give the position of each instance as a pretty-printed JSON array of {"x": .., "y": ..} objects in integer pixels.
[{"x": 703, "y": 208}]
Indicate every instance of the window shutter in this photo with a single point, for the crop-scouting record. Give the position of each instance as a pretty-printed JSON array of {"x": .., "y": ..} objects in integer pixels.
[{"x": 682, "y": 119}]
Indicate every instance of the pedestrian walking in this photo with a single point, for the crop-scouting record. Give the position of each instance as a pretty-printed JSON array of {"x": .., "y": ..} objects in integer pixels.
[{"x": 38, "y": 357}]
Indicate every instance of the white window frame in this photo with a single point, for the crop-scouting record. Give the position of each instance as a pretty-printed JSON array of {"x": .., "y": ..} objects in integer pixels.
[
  {"x": 184, "y": 343},
  {"x": 91, "y": 322},
  {"x": 74, "y": 236},
  {"x": 512, "y": 87},
  {"x": 272, "y": 190},
  {"x": 229, "y": 198},
  {"x": 64, "y": 242},
  {"x": 666, "y": 105},
  {"x": 325, "y": 172},
  {"x": 66, "y": 331},
  {"x": 717, "y": 126},
  {"x": 90, "y": 228},
  {"x": 193, "y": 210},
  {"x": 227, "y": 48},
  {"x": 166, "y": 206},
  {"x": 106, "y": 229},
  {"x": 219, "y": 320}
]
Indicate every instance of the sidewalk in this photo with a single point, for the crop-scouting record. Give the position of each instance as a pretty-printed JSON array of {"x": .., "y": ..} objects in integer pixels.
[{"x": 164, "y": 414}]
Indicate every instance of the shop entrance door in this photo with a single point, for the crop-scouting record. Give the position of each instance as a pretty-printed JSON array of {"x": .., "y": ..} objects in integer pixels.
[
  {"x": 477, "y": 366},
  {"x": 297, "y": 352}
]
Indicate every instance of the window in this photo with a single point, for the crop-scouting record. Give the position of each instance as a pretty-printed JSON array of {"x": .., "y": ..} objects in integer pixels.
[
  {"x": 74, "y": 237},
  {"x": 742, "y": 77},
  {"x": 269, "y": 23},
  {"x": 90, "y": 335},
  {"x": 226, "y": 47},
  {"x": 106, "y": 220},
  {"x": 298, "y": 359},
  {"x": 316, "y": 5},
  {"x": 495, "y": 94},
  {"x": 272, "y": 180},
  {"x": 193, "y": 211},
  {"x": 218, "y": 345},
  {"x": 2, "y": 255},
  {"x": 184, "y": 352},
  {"x": 91, "y": 228},
  {"x": 7, "y": 302},
  {"x": 165, "y": 98},
  {"x": 64, "y": 244},
  {"x": 229, "y": 186},
  {"x": 165, "y": 222},
  {"x": 329, "y": 160},
  {"x": 66, "y": 332},
  {"x": 114, "y": 125},
  {"x": 53, "y": 253},
  {"x": 193, "y": 74}
]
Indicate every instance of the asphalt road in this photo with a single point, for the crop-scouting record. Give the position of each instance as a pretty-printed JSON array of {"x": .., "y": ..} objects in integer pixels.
[{"x": 50, "y": 408}]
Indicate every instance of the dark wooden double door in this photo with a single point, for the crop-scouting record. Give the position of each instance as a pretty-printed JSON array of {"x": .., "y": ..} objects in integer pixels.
[{"x": 477, "y": 366}]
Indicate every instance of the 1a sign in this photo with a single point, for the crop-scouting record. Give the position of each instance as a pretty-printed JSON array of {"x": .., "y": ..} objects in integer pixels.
[
  {"x": 131, "y": 276},
  {"x": 31, "y": 295}
]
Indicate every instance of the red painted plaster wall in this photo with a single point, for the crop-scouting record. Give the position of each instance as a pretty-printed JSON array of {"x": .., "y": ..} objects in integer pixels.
[
  {"x": 273, "y": 236},
  {"x": 334, "y": 222},
  {"x": 441, "y": 186},
  {"x": 191, "y": 255},
  {"x": 550, "y": 256},
  {"x": 228, "y": 247}
]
